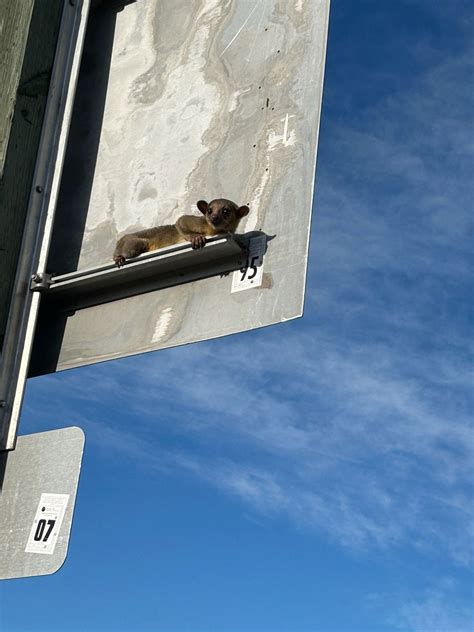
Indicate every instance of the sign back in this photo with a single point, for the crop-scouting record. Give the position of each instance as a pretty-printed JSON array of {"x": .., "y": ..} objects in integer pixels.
[
  {"x": 179, "y": 102},
  {"x": 38, "y": 486}
]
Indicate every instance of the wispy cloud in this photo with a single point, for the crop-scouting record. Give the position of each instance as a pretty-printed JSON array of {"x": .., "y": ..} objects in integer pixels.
[
  {"x": 338, "y": 440},
  {"x": 444, "y": 607}
]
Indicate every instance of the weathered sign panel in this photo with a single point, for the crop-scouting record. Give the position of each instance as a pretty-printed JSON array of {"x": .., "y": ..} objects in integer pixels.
[
  {"x": 38, "y": 486},
  {"x": 179, "y": 102}
]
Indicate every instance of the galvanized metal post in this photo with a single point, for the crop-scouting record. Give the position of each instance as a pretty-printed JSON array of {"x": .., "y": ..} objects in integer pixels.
[{"x": 29, "y": 185}]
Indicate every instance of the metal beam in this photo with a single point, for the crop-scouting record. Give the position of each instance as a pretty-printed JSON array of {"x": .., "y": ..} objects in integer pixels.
[
  {"x": 152, "y": 271},
  {"x": 27, "y": 51},
  {"x": 41, "y": 206}
]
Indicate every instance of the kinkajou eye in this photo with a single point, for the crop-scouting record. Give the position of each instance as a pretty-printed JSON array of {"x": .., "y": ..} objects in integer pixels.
[{"x": 225, "y": 211}]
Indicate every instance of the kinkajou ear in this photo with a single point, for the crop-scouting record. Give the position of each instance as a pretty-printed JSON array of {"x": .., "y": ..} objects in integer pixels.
[
  {"x": 203, "y": 206},
  {"x": 242, "y": 211}
]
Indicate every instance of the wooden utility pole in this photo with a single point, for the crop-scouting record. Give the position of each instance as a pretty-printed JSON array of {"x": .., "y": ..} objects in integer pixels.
[{"x": 14, "y": 26}]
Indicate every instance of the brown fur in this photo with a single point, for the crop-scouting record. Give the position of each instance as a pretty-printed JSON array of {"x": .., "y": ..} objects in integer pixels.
[{"x": 220, "y": 216}]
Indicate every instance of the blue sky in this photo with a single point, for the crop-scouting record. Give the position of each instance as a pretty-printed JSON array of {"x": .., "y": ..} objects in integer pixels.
[{"x": 313, "y": 476}]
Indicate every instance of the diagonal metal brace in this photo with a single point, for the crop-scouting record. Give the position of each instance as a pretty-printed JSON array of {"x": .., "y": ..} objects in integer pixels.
[{"x": 152, "y": 271}]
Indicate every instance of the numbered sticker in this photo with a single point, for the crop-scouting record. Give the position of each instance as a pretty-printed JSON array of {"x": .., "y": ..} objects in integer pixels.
[
  {"x": 252, "y": 275},
  {"x": 47, "y": 523}
]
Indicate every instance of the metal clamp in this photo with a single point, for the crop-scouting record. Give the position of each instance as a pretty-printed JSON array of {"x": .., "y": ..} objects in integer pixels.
[{"x": 40, "y": 282}]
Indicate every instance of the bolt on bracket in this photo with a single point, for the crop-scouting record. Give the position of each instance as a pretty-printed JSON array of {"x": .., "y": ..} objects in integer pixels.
[{"x": 40, "y": 282}]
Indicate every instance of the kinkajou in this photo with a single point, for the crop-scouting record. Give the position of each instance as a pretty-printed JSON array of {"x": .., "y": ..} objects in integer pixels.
[{"x": 220, "y": 216}]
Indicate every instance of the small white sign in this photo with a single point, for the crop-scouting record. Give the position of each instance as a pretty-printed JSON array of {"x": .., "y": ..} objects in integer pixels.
[
  {"x": 252, "y": 275},
  {"x": 47, "y": 523}
]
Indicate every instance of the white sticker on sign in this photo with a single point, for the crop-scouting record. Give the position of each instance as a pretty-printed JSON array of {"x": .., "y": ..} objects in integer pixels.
[
  {"x": 47, "y": 523},
  {"x": 252, "y": 275}
]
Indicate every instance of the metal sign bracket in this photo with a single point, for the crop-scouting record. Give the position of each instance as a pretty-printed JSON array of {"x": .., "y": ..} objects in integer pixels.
[{"x": 151, "y": 271}]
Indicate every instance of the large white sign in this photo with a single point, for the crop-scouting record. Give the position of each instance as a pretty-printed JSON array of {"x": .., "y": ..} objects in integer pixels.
[{"x": 179, "y": 102}]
